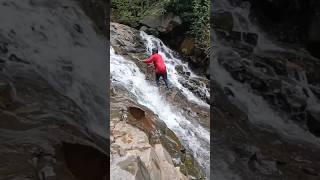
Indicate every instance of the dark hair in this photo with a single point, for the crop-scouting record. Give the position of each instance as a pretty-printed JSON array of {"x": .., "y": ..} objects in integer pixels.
[{"x": 154, "y": 50}]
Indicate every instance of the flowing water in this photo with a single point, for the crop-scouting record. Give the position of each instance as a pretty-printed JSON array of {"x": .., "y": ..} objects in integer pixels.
[
  {"x": 257, "y": 109},
  {"x": 193, "y": 136},
  {"x": 171, "y": 62}
]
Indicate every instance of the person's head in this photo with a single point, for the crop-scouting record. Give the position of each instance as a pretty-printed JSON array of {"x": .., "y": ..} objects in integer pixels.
[{"x": 154, "y": 50}]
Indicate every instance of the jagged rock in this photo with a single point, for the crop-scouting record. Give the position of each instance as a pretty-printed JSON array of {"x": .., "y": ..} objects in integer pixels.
[
  {"x": 142, "y": 160},
  {"x": 130, "y": 41},
  {"x": 179, "y": 69},
  {"x": 144, "y": 135}
]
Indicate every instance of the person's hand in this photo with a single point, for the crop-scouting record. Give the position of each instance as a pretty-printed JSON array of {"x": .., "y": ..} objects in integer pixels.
[{"x": 137, "y": 59}]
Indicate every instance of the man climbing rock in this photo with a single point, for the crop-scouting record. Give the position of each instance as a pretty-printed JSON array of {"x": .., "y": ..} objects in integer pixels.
[{"x": 159, "y": 65}]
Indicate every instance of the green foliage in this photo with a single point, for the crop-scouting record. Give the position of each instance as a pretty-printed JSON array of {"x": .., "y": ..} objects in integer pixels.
[
  {"x": 183, "y": 8},
  {"x": 131, "y": 11},
  {"x": 194, "y": 13},
  {"x": 200, "y": 26}
]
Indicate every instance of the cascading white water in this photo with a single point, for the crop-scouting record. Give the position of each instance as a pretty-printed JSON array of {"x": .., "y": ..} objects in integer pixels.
[
  {"x": 70, "y": 62},
  {"x": 257, "y": 109},
  {"x": 194, "y": 137},
  {"x": 242, "y": 23},
  {"x": 171, "y": 63}
]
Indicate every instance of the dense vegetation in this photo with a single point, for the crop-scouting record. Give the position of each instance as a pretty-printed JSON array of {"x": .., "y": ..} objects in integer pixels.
[
  {"x": 195, "y": 13},
  {"x": 131, "y": 11}
]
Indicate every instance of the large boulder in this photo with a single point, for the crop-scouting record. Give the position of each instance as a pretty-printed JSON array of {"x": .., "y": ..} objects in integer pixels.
[
  {"x": 132, "y": 152},
  {"x": 162, "y": 23},
  {"x": 130, "y": 41}
]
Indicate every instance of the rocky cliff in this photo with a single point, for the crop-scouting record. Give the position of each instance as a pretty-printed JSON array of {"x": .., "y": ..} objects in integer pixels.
[
  {"x": 154, "y": 131},
  {"x": 265, "y": 90},
  {"x": 52, "y": 91}
]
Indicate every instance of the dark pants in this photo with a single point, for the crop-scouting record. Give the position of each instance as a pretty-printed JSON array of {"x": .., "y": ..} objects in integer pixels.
[{"x": 164, "y": 77}]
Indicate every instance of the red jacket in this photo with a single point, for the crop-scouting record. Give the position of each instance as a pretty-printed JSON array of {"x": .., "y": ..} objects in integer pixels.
[{"x": 158, "y": 63}]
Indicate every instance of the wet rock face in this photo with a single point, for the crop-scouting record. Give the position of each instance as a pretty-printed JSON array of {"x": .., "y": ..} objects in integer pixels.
[
  {"x": 246, "y": 152},
  {"x": 276, "y": 16},
  {"x": 295, "y": 22},
  {"x": 40, "y": 60},
  {"x": 280, "y": 80},
  {"x": 127, "y": 42},
  {"x": 290, "y": 21},
  {"x": 142, "y": 146},
  {"x": 276, "y": 81},
  {"x": 281, "y": 76},
  {"x": 43, "y": 128},
  {"x": 195, "y": 85}
]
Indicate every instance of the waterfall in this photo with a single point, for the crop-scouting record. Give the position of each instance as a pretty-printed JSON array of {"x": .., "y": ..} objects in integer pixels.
[
  {"x": 193, "y": 136},
  {"x": 258, "y": 110},
  {"x": 171, "y": 63}
]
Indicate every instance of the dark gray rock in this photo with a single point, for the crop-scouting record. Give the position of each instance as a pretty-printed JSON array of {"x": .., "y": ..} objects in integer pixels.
[
  {"x": 222, "y": 20},
  {"x": 313, "y": 117}
]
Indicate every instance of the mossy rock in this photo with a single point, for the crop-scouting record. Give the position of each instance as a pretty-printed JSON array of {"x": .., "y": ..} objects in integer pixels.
[{"x": 171, "y": 142}]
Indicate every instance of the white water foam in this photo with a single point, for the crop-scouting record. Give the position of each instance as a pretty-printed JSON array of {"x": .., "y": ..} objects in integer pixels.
[
  {"x": 259, "y": 112},
  {"x": 194, "y": 137},
  {"x": 44, "y": 36},
  {"x": 171, "y": 63}
]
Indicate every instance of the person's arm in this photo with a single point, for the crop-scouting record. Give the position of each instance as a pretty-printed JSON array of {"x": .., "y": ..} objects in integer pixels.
[{"x": 149, "y": 60}]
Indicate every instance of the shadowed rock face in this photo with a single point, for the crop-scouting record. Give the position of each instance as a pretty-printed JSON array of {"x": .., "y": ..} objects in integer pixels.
[
  {"x": 265, "y": 91},
  {"x": 49, "y": 52},
  {"x": 98, "y": 11},
  {"x": 85, "y": 162},
  {"x": 137, "y": 113},
  {"x": 294, "y": 22}
]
